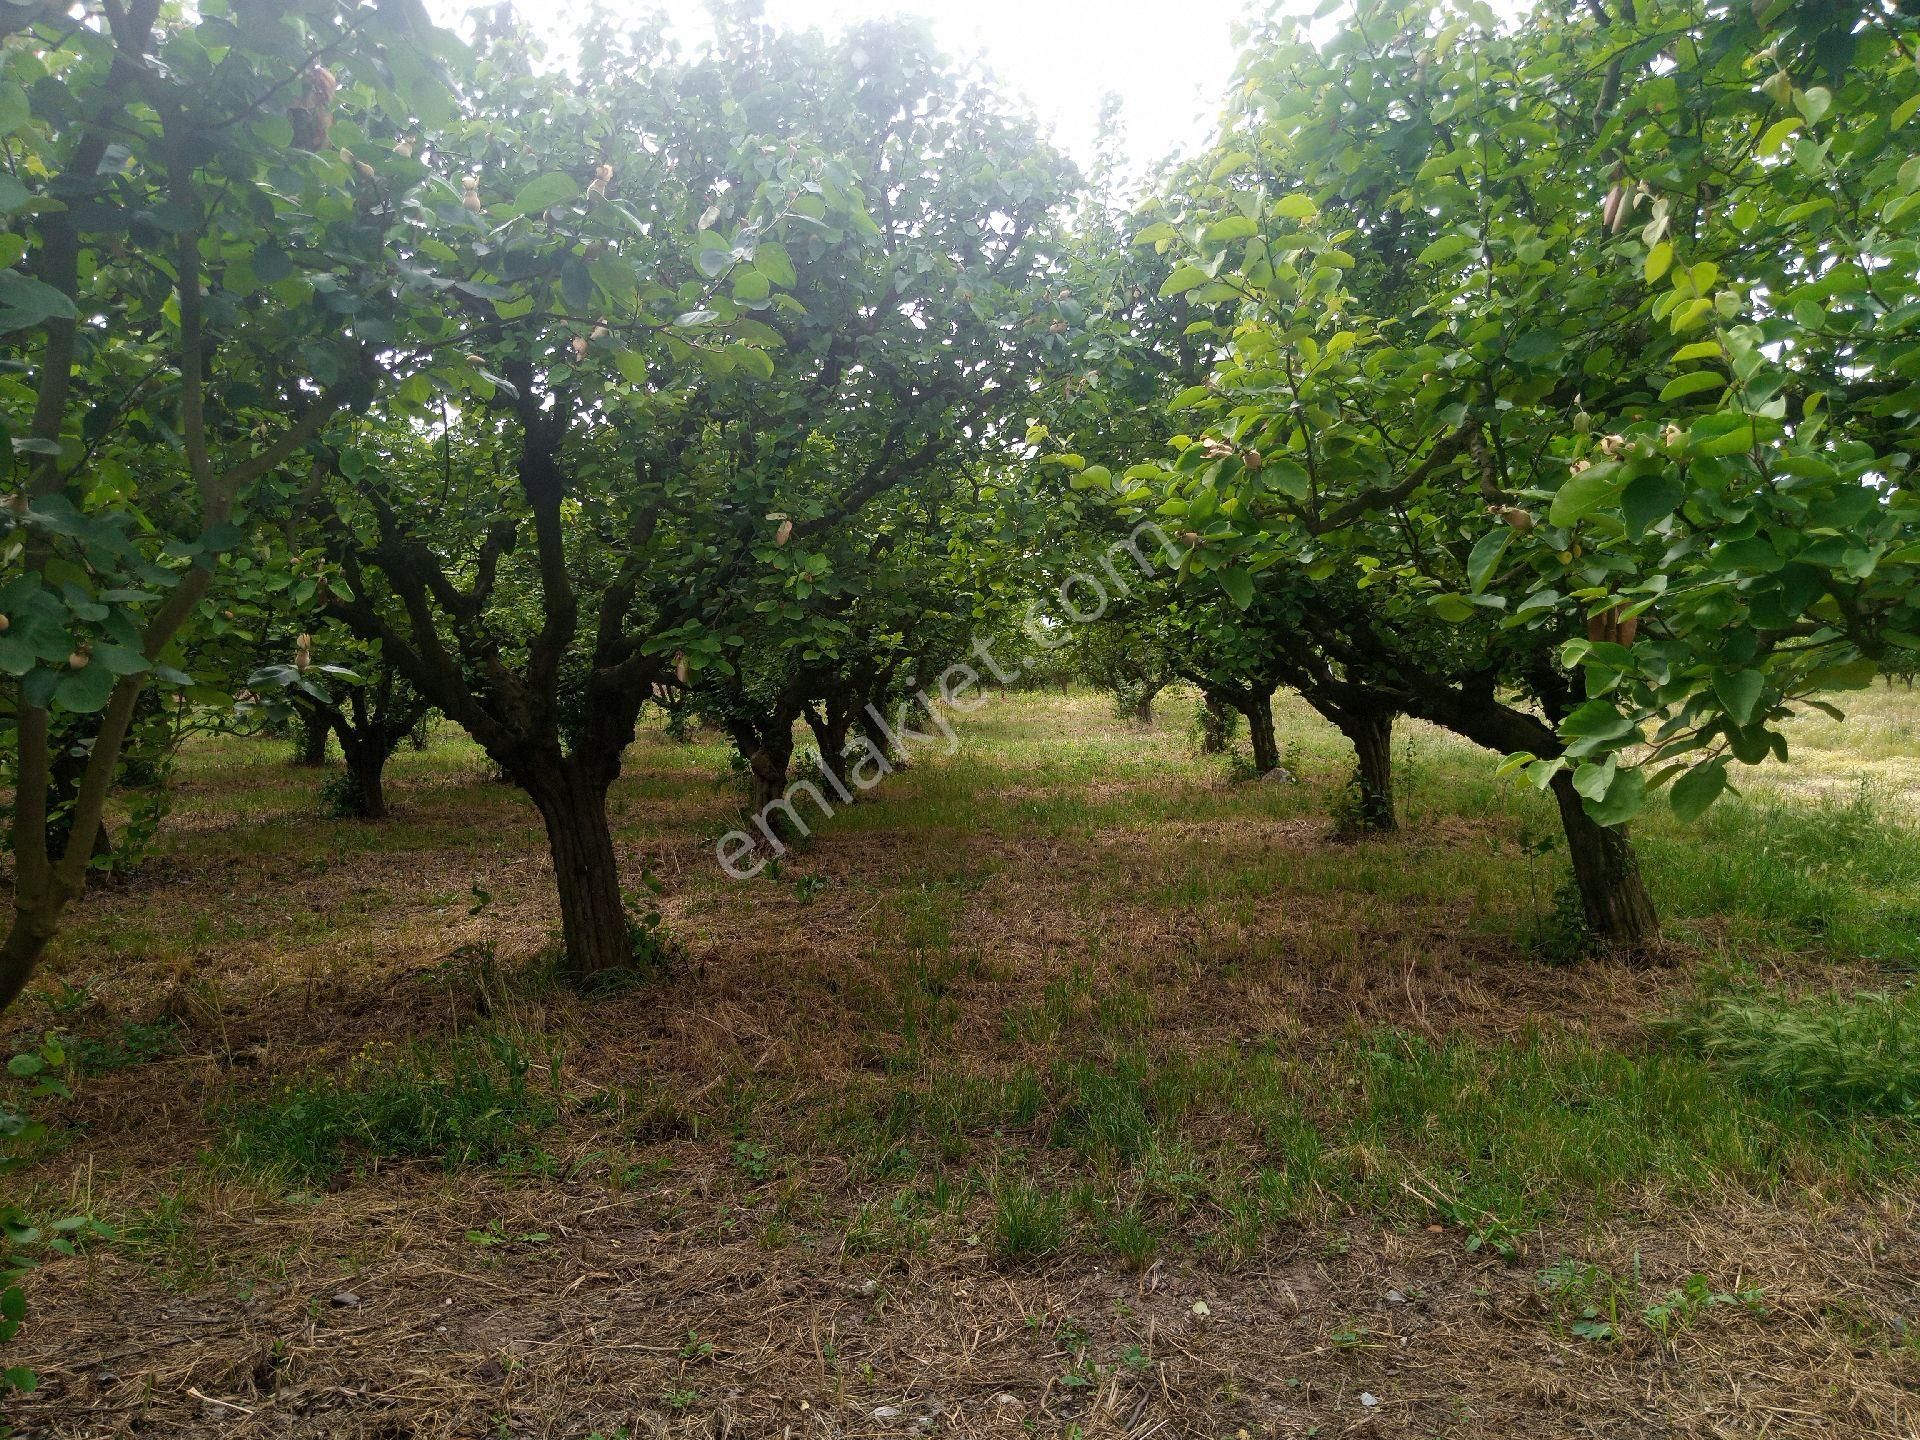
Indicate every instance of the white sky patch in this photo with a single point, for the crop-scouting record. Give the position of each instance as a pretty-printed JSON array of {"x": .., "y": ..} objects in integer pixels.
[{"x": 1169, "y": 63}]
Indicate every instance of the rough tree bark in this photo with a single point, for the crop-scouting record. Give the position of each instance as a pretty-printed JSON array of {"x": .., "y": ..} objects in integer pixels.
[
  {"x": 1613, "y": 897},
  {"x": 1371, "y": 732},
  {"x": 310, "y": 746},
  {"x": 1216, "y": 725},
  {"x": 366, "y": 759},
  {"x": 586, "y": 868},
  {"x": 1258, "y": 709}
]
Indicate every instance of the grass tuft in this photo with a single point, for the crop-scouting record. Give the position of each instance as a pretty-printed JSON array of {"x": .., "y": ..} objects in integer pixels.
[{"x": 1844, "y": 1055}]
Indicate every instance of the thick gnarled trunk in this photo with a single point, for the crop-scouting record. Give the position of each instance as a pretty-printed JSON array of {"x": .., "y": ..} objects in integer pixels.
[
  {"x": 1613, "y": 897},
  {"x": 310, "y": 745},
  {"x": 1258, "y": 710},
  {"x": 586, "y": 868},
  {"x": 1371, "y": 732},
  {"x": 367, "y": 765}
]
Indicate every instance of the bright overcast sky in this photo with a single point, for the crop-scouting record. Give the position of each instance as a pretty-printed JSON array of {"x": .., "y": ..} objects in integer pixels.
[{"x": 1169, "y": 61}]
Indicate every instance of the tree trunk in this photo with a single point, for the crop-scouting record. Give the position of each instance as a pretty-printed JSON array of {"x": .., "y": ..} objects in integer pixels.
[
  {"x": 1613, "y": 898},
  {"x": 311, "y": 748},
  {"x": 367, "y": 764},
  {"x": 1142, "y": 709},
  {"x": 1216, "y": 725},
  {"x": 586, "y": 871},
  {"x": 769, "y": 764},
  {"x": 876, "y": 704},
  {"x": 1371, "y": 732},
  {"x": 831, "y": 723},
  {"x": 34, "y": 926},
  {"x": 1266, "y": 746}
]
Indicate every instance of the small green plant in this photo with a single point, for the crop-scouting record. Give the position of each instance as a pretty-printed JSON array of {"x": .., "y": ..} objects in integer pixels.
[
  {"x": 1589, "y": 1294},
  {"x": 1680, "y": 1307},
  {"x": 680, "y": 1400},
  {"x": 341, "y": 797},
  {"x": 753, "y": 1161},
  {"x": 1131, "y": 1238},
  {"x": 136, "y": 1043},
  {"x": 1028, "y": 1222},
  {"x": 497, "y": 1234},
  {"x": 807, "y": 887},
  {"x": 1561, "y": 936},
  {"x": 652, "y": 944},
  {"x": 696, "y": 1348}
]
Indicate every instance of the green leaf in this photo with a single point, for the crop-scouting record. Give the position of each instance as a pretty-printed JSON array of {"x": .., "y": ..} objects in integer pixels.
[
  {"x": 1692, "y": 383},
  {"x": 1776, "y": 135},
  {"x": 14, "y": 109},
  {"x": 1486, "y": 556},
  {"x": 26, "y": 302},
  {"x": 1584, "y": 493},
  {"x": 84, "y": 691},
  {"x": 1596, "y": 721},
  {"x": 1649, "y": 499},
  {"x": 1625, "y": 798},
  {"x": 1739, "y": 692},
  {"x": 1813, "y": 102},
  {"x": 1445, "y": 248},
  {"x": 1658, "y": 259},
  {"x": 120, "y": 660},
  {"x": 749, "y": 357},
  {"x": 1183, "y": 279},
  {"x": 545, "y": 191},
  {"x": 1696, "y": 790},
  {"x": 1238, "y": 585},
  {"x": 773, "y": 262},
  {"x": 1287, "y": 477}
]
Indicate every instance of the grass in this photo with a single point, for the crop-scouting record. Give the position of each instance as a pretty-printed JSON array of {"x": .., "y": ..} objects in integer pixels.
[
  {"x": 1836, "y": 1055},
  {"x": 1069, "y": 1023},
  {"x": 472, "y": 1101}
]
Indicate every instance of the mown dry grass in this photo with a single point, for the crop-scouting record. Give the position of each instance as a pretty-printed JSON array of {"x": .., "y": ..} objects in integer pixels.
[{"x": 1067, "y": 1086}]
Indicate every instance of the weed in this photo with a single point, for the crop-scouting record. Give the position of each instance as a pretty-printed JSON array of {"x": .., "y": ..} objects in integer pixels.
[
  {"x": 497, "y": 1234},
  {"x": 1131, "y": 1238},
  {"x": 341, "y": 797},
  {"x": 1562, "y": 936},
  {"x": 753, "y": 1161},
  {"x": 135, "y": 1043},
  {"x": 1680, "y": 1307}
]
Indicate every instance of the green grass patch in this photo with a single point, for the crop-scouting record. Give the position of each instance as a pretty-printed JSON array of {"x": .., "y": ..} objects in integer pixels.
[
  {"x": 1837, "y": 1054},
  {"x": 476, "y": 1100}
]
